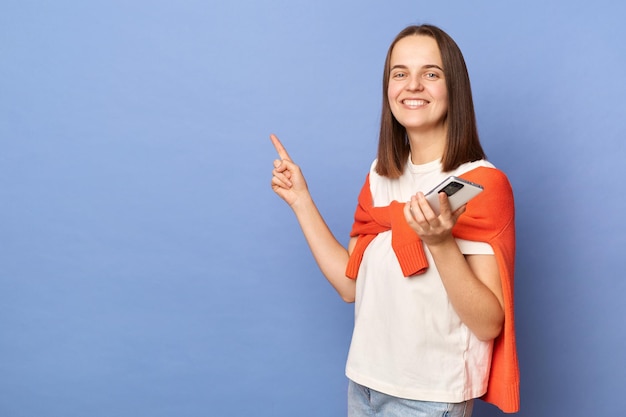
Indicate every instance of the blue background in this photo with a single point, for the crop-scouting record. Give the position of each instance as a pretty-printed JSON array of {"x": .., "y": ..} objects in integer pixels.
[{"x": 146, "y": 267}]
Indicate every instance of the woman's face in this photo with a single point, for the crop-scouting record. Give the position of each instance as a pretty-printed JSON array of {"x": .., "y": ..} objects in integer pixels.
[{"x": 417, "y": 91}]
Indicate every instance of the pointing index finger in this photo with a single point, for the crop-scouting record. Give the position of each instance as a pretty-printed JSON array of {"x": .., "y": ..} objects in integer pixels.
[{"x": 282, "y": 152}]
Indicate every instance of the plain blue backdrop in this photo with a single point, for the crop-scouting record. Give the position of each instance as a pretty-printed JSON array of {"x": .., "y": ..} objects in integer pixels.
[{"x": 146, "y": 267}]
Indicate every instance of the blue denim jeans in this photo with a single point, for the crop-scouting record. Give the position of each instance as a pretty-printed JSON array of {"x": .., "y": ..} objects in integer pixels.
[{"x": 365, "y": 402}]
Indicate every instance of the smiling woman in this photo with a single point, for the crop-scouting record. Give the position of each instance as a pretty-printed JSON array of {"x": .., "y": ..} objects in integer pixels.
[
  {"x": 417, "y": 94},
  {"x": 433, "y": 291}
]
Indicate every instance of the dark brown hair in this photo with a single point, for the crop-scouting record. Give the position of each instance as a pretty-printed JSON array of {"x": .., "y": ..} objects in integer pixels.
[{"x": 462, "y": 144}]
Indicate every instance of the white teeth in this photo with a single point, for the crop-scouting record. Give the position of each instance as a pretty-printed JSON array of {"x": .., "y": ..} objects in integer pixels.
[{"x": 414, "y": 102}]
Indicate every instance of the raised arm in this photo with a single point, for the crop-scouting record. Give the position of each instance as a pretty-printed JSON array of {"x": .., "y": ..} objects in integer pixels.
[{"x": 331, "y": 257}]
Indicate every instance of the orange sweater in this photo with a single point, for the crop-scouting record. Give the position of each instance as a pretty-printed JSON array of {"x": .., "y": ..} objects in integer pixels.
[{"x": 489, "y": 218}]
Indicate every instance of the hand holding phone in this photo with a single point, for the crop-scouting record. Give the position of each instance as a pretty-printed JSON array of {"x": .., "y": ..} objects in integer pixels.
[{"x": 458, "y": 190}]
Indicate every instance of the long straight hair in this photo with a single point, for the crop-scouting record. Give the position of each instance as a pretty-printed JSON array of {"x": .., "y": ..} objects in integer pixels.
[{"x": 462, "y": 142}]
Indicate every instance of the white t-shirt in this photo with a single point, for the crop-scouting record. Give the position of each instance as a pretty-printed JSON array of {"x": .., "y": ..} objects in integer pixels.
[{"x": 408, "y": 341}]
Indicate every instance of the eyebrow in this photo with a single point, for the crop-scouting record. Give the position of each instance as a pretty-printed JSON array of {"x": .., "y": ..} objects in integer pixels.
[{"x": 428, "y": 66}]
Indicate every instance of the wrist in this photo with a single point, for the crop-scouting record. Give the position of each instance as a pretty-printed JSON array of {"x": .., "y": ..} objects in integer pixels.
[
  {"x": 302, "y": 202},
  {"x": 442, "y": 244}
]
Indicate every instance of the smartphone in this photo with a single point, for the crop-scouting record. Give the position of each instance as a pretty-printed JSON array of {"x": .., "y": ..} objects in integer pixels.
[{"x": 458, "y": 190}]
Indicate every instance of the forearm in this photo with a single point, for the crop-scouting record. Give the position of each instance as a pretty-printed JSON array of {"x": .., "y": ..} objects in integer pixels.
[
  {"x": 468, "y": 287},
  {"x": 330, "y": 255}
]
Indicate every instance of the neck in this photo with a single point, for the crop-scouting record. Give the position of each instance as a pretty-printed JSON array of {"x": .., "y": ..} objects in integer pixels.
[{"x": 427, "y": 146}]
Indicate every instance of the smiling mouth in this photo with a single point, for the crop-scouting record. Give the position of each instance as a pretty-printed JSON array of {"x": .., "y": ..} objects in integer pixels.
[{"x": 414, "y": 103}]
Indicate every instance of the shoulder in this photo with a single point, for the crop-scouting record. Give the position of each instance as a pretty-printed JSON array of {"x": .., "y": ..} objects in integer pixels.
[
  {"x": 373, "y": 167},
  {"x": 486, "y": 174},
  {"x": 489, "y": 177},
  {"x": 375, "y": 178},
  {"x": 470, "y": 166},
  {"x": 497, "y": 197}
]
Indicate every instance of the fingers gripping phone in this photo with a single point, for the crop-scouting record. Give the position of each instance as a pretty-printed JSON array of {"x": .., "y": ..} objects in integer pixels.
[{"x": 458, "y": 190}]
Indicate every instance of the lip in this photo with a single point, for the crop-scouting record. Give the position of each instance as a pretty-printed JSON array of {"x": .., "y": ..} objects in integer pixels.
[{"x": 414, "y": 103}]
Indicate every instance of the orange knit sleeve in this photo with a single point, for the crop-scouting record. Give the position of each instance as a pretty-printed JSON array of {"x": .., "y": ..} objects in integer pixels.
[{"x": 490, "y": 217}]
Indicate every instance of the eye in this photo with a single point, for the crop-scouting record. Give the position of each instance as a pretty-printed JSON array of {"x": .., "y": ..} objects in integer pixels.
[
  {"x": 399, "y": 75},
  {"x": 431, "y": 75}
]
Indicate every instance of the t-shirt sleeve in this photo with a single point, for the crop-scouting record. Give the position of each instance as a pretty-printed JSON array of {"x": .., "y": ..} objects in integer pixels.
[{"x": 469, "y": 247}]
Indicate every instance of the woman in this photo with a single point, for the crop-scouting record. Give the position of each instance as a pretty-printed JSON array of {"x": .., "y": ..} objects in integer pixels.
[{"x": 433, "y": 293}]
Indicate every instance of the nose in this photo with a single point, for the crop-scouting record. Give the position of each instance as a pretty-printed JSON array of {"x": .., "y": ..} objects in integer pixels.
[{"x": 414, "y": 84}]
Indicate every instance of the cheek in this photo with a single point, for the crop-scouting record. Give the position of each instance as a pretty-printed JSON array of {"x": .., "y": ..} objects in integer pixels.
[
  {"x": 393, "y": 91},
  {"x": 392, "y": 95},
  {"x": 391, "y": 101},
  {"x": 442, "y": 93}
]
